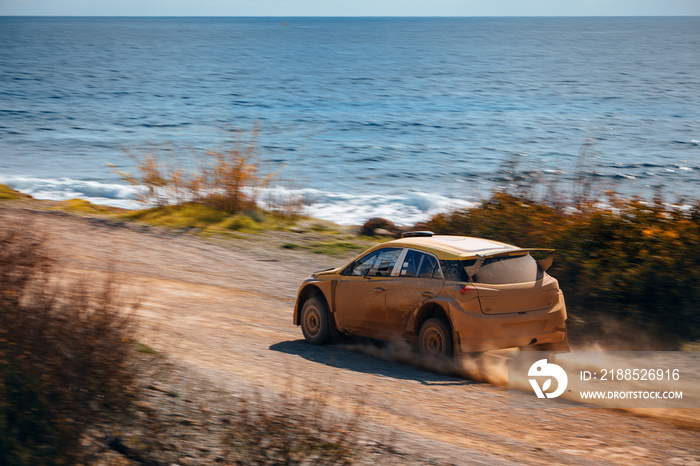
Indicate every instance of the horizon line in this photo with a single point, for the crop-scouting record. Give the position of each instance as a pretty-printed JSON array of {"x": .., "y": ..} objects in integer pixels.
[{"x": 348, "y": 16}]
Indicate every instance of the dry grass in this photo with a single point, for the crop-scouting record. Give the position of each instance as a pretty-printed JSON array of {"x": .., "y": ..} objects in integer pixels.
[
  {"x": 229, "y": 181},
  {"x": 8, "y": 193},
  {"x": 291, "y": 430},
  {"x": 64, "y": 354},
  {"x": 71, "y": 382}
]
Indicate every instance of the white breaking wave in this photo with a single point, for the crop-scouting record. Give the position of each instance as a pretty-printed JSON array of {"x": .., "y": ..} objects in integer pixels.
[
  {"x": 343, "y": 208},
  {"x": 354, "y": 209},
  {"x": 62, "y": 189}
]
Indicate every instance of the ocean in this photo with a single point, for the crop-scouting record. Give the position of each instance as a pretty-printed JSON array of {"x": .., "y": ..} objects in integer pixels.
[{"x": 363, "y": 117}]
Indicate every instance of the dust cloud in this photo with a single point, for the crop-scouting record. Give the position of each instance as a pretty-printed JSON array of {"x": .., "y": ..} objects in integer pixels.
[{"x": 492, "y": 367}]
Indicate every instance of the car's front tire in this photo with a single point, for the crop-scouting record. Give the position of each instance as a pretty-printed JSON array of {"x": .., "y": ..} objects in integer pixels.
[
  {"x": 315, "y": 322},
  {"x": 435, "y": 339}
]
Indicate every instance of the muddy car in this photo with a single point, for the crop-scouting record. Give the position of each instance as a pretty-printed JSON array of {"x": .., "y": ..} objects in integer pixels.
[{"x": 445, "y": 294}]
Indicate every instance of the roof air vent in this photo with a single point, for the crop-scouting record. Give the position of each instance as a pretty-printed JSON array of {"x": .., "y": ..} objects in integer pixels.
[{"x": 417, "y": 234}]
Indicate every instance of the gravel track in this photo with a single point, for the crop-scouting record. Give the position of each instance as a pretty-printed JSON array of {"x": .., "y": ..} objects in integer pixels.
[{"x": 223, "y": 310}]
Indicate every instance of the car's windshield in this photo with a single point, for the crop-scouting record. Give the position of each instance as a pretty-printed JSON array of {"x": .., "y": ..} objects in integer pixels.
[
  {"x": 508, "y": 269},
  {"x": 379, "y": 263}
]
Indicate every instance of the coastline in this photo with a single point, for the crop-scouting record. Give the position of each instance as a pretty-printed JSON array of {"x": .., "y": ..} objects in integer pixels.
[
  {"x": 402, "y": 208},
  {"x": 271, "y": 240}
]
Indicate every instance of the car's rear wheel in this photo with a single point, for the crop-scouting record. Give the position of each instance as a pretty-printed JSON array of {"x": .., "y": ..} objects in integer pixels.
[
  {"x": 435, "y": 338},
  {"x": 315, "y": 322}
]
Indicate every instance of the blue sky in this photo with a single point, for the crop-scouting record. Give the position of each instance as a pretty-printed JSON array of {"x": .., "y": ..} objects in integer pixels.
[{"x": 351, "y": 7}]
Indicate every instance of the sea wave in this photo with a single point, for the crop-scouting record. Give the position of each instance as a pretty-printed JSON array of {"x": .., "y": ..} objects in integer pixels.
[
  {"x": 406, "y": 208},
  {"x": 62, "y": 189},
  {"x": 353, "y": 209}
]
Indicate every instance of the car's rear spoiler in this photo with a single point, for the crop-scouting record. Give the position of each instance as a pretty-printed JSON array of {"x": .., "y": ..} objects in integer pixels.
[{"x": 543, "y": 264}]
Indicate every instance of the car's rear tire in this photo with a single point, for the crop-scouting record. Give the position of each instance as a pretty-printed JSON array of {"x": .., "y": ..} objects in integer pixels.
[
  {"x": 315, "y": 322},
  {"x": 435, "y": 338}
]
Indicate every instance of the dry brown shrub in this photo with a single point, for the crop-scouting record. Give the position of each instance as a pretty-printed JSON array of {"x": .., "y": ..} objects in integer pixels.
[
  {"x": 64, "y": 353},
  {"x": 230, "y": 181},
  {"x": 292, "y": 430},
  {"x": 631, "y": 259}
]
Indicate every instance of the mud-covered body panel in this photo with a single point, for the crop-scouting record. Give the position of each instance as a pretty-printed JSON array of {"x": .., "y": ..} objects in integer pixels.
[{"x": 481, "y": 316}]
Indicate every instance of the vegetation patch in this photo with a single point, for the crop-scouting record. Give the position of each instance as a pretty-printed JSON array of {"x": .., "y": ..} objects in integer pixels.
[
  {"x": 8, "y": 193},
  {"x": 633, "y": 260},
  {"x": 324, "y": 228},
  {"x": 208, "y": 220},
  {"x": 64, "y": 354},
  {"x": 330, "y": 247},
  {"x": 144, "y": 348},
  {"x": 334, "y": 247},
  {"x": 291, "y": 430},
  {"x": 72, "y": 379},
  {"x": 190, "y": 215},
  {"x": 242, "y": 222},
  {"x": 230, "y": 181},
  {"x": 85, "y": 207}
]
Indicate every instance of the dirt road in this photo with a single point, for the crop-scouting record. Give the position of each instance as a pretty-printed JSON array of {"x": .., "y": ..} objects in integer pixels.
[{"x": 224, "y": 308}]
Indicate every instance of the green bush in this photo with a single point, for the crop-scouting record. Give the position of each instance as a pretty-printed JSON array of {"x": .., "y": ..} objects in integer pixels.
[
  {"x": 634, "y": 260},
  {"x": 189, "y": 215}
]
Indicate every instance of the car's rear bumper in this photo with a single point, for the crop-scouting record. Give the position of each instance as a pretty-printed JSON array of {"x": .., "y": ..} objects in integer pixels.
[{"x": 488, "y": 332}]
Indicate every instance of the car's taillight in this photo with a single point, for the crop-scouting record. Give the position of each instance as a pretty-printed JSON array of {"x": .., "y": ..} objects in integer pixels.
[{"x": 465, "y": 289}]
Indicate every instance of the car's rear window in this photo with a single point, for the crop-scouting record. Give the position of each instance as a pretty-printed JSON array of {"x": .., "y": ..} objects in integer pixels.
[
  {"x": 508, "y": 269},
  {"x": 496, "y": 270}
]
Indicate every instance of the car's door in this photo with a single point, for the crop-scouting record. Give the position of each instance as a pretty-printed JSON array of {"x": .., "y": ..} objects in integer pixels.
[
  {"x": 419, "y": 279},
  {"x": 360, "y": 295}
]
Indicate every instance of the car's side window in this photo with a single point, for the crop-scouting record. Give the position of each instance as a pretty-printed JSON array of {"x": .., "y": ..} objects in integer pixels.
[
  {"x": 421, "y": 265},
  {"x": 453, "y": 270},
  {"x": 429, "y": 267},
  {"x": 379, "y": 263}
]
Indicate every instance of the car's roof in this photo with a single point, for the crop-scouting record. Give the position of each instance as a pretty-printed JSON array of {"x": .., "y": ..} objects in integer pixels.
[{"x": 454, "y": 247}]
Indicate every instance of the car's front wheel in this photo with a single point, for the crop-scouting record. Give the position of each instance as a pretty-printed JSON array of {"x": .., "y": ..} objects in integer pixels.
[
  {"x": 435, "y": 339},
  {"x": 315, "y": 322}
]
